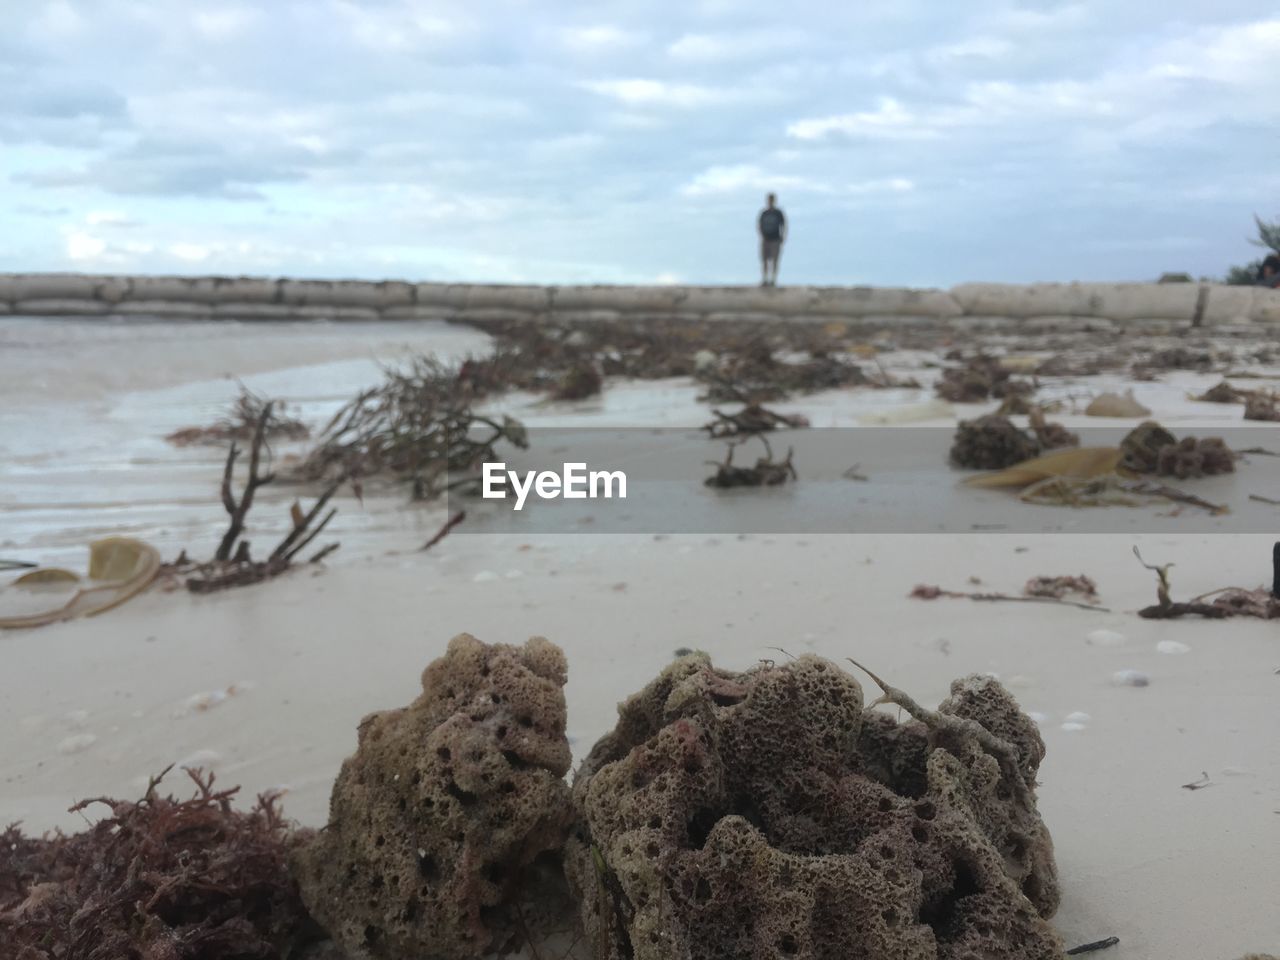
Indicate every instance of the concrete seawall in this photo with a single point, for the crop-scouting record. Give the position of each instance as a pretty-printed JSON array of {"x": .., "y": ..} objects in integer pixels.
[{"x": 1032, "y": 307}]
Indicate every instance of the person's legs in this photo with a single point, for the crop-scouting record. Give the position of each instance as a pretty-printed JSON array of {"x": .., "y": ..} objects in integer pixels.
[
  {"x": 768, "y": 258},
  {"x": 777, "y": 256}
]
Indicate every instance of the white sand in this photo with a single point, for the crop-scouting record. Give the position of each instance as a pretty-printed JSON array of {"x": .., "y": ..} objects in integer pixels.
[{"x": 95, "y": 707}]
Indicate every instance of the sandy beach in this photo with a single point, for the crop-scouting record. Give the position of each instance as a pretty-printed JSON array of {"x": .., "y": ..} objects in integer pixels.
[{"x": 265, "y": 685}]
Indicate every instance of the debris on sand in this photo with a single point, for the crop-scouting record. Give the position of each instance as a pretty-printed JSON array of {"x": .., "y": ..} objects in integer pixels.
[
  {"x": 1150, "y": 448},
  {"x": 1223, "y": 392},
  {"x": 232, "y": 565},
  {"x": 579, "y": 382},
  {"x": 991, "y": 443},
  {"x": 1261, "y": 603},
  {"x": 741, "y": 361},
  {"x": 157, "y": 878},
  {"x": 1059, "y": 587},
  {"x": 981, "y": 377},
  {"x": 241, "y": 423},
  {"x": 1093, "y": 947},
  {"x": 120, "y": 567},
  {"x": 1051, "y": 436},
  {"x": 766, "y": 472},
  {"x": 1084, "y": 477},
  {"x": 1116, "y": 405},
  {"x": 1261, "y": 407},
  {"x": 1173, "y": 358},
  {"x": 772, "y": 813},
  {"x": 446, "y": 808},
  {"x": 1078, "y": 463},
  {"x": 753, "y": 418},
  {"x": 418, "y": 426},
  {"x": 755, "y": 374},
  {"x": 926, "y": 591}
]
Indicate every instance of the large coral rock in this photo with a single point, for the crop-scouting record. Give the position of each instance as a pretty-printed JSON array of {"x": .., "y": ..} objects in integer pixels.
[
  {"x": 445, "y": 803},
  {"x": 768, "y": 814}
]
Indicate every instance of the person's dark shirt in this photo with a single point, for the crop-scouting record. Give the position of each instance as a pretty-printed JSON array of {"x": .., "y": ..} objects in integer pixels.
[{"x": 771, "y": 223}]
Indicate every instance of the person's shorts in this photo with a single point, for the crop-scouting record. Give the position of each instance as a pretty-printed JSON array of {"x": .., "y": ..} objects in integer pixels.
[{"x": 769, "y": 250}]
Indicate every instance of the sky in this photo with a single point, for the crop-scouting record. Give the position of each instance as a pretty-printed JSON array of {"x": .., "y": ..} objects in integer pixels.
[{"x": 909, "y": 142}]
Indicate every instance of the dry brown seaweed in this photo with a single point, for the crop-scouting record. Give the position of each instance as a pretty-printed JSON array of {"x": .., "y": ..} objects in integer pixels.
[
  {"x": 241, "y": 423},
  {"x": 156, "y": 879}
]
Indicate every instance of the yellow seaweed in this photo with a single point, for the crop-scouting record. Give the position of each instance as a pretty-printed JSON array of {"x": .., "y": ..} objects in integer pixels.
[
  {"x": 126, "y": 565},
  {"x": 1080, "y": 463}
]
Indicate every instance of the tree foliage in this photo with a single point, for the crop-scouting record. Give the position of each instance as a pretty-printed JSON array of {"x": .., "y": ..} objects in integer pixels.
[{"x": 1269, "y": 239}]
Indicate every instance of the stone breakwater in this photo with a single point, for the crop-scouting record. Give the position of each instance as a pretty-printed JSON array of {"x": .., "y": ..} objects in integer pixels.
[{"x": 1032, "y": 307}]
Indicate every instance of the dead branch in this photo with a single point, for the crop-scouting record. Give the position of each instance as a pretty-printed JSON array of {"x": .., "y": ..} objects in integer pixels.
[
  {"x": 1093, "y": 947},
  {"x": 1165, "y": 608},
  {"x": 1007, "y": 754},
  {"x": 239, "y": 510},
  {"x": 443, "y": 532},
  {"x": 751, "y": 419},
  {"x": 930, "y": 592},
  {"x": 766, "y": 473}
]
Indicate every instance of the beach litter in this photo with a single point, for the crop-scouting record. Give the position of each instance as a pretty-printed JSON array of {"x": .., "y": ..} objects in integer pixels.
[{"x": 119, "y": 569}]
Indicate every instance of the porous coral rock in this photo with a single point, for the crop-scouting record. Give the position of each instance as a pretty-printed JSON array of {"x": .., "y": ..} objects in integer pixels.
[
  {"x": 446, "y": 802},
  {"x": 769, "y": 814},
  {"x": 991, "y": 443},
  {"x": 1260, "y": 407}
]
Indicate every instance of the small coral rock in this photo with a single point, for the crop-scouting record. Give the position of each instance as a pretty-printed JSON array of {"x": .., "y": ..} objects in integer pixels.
[
  {"x": 444, "y": 805},
  {"x": 1259, "y": 407},
  {"x": 991, "y": 443},
  {"x": 768, "y": 814}
]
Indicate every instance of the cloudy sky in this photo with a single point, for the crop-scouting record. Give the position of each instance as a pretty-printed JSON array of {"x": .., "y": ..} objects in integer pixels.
[{"x": 909, "y": 141}]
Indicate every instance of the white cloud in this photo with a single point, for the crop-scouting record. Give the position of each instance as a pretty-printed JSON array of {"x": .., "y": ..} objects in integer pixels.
[
  {"x": 394, "y": 28},
  {"x": 640, "y": 92},
  {"x": 741, "y": 178},
  {"x": 889, "y": 121},
  {"x": 83, "y": 247},
  {"x": 598, "y": 39},
  {"x": 107, "y": 218},
  {"x": 756, "y": 45},
  {"x": 224, "y": 23},
  {"x": 191, "y": 252}
]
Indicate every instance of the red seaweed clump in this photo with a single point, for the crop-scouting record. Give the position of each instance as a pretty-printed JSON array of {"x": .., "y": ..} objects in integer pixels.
[{"x": 156, "y": 879}]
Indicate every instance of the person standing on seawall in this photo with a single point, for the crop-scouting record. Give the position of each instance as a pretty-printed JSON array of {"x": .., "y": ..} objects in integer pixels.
[{"x": 773, "y": 230}]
